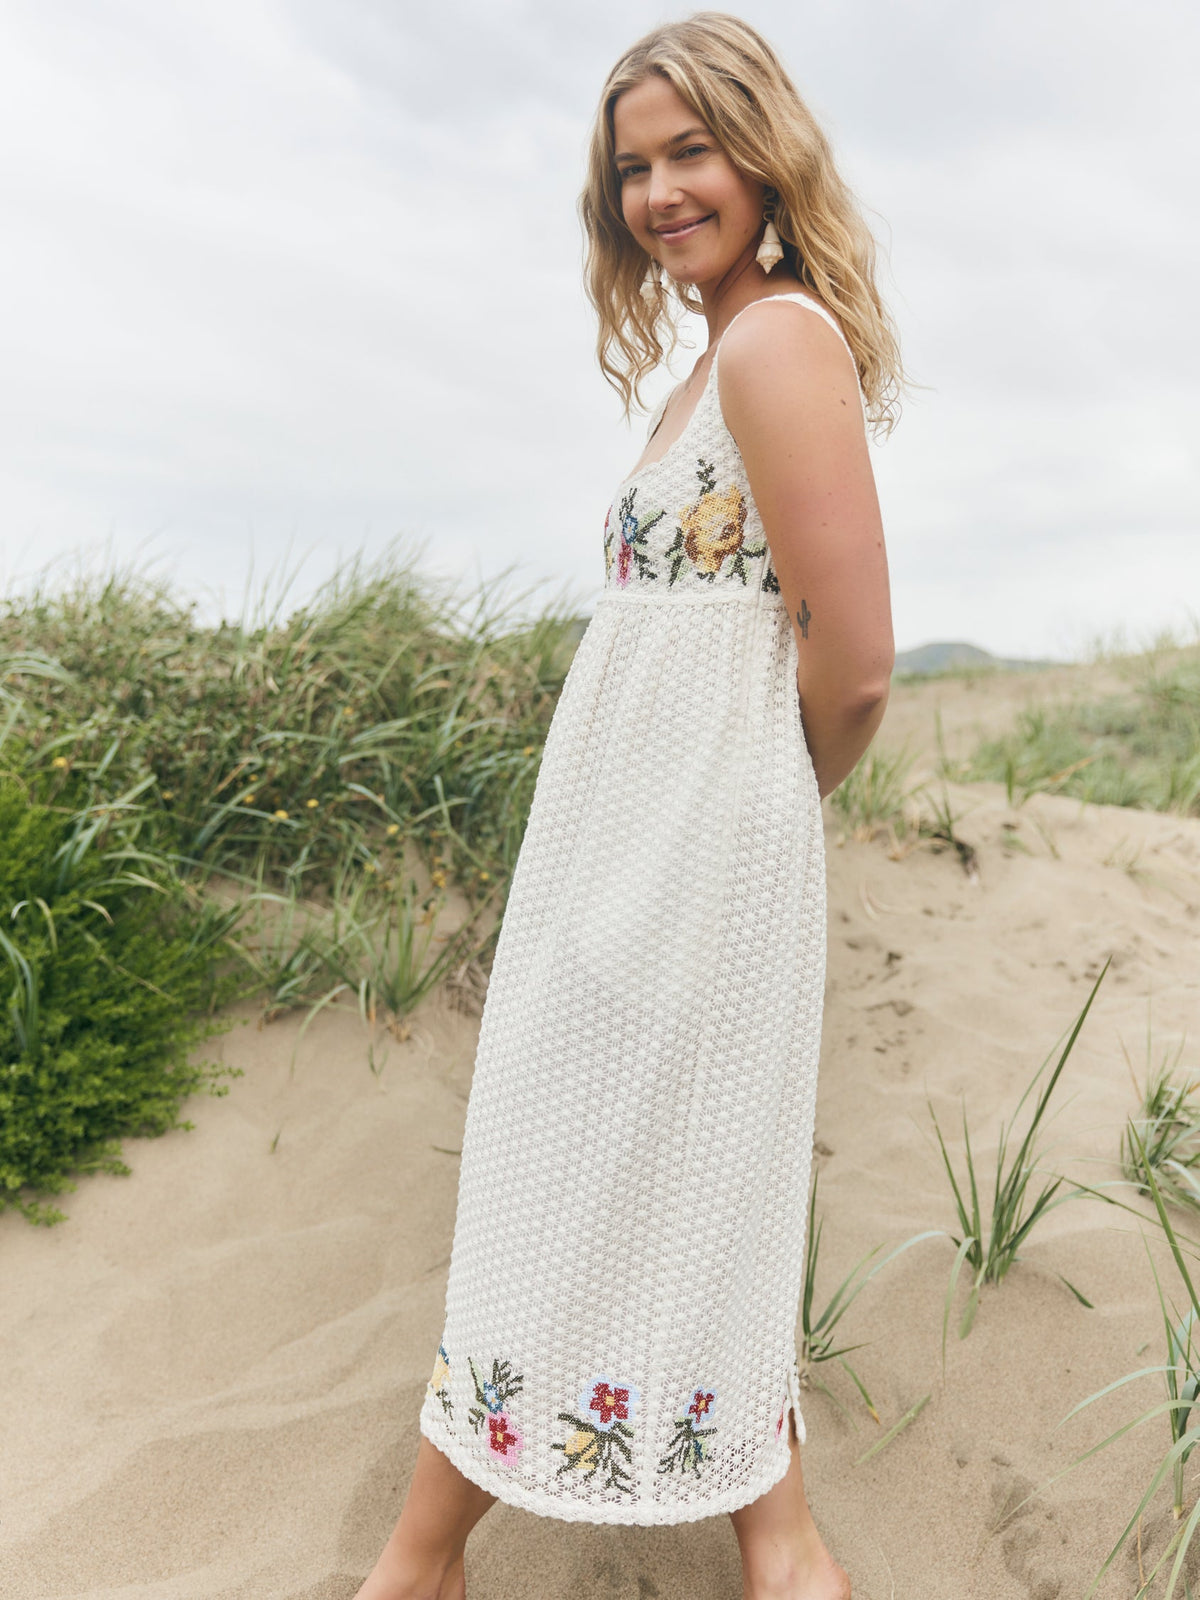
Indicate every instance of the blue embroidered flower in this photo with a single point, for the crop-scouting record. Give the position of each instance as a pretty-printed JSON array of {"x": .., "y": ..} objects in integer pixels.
[
  {"x": 491, "y": 1398},
  {"x": 629, "y": 529}
]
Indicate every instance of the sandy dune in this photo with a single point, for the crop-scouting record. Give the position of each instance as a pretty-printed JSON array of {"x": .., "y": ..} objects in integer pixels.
[{"x": 212, "y": 1371}]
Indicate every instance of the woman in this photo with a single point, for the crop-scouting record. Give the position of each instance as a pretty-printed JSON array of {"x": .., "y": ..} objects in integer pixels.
[{"x": 619, "y": 1341}]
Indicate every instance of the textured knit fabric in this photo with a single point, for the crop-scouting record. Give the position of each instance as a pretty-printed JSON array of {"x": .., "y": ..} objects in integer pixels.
[{"x": 628, "y": 1255}]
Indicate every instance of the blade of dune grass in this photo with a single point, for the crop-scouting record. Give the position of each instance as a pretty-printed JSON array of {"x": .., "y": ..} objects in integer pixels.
[
  {"x": 989, "y": 1242},
  {"x": 819, "y": 1341},
  {"x": 1182, "y": 1382},
  {"x": 898, "y": 1427}
]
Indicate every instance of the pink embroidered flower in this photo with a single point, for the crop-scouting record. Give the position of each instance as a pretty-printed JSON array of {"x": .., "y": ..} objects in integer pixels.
[
  {"x": 624, "y": 562},
  {"x": 503, "y": 1438},
  {"x": 779, "y": 1423},
  {"x": 702, "y": 1404}
]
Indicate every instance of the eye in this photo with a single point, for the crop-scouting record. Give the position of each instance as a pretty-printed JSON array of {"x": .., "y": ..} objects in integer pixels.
[
  {"x": 626, "y": 172},
  {"x": 694, "y": 149}
]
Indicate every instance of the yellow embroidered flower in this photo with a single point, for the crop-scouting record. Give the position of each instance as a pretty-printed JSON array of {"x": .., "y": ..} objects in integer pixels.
[
  {"x": 441, "y": 1372},
  {"x": 713, "y": 528},
  {"x": 580, "y": 1449}
]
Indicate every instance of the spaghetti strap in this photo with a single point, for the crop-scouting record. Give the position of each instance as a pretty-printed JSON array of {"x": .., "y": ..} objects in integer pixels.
[
  {"x": 815, "y": 306},
  {"x": 803, "y": 300}
]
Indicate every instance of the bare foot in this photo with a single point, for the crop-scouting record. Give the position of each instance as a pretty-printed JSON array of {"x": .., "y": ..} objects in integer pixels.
[
  {"x": 783, "y": 1554},
  {"x": 814, "y": 1576},
  {"x": 388, "y": 1583}
]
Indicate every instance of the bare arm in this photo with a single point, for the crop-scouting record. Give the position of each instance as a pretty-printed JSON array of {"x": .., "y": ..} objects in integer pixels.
[{"x": 790, "y": 399}]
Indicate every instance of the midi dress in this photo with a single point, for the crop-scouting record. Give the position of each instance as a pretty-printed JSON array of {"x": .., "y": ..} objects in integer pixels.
[{"x": 628, "y": 1254}]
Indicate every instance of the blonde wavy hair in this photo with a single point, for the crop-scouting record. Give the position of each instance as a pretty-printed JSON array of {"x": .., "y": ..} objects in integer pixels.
[{"x": 730, "y": 76}]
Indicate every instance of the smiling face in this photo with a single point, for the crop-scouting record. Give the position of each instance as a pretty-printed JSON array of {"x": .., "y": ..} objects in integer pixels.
[{"x": 682, "y": 198}]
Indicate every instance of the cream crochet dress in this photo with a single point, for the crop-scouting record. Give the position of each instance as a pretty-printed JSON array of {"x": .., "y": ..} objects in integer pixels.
[{"x": 628, "y": 1255}]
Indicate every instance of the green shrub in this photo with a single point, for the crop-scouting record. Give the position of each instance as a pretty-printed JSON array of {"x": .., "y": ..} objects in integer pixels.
[{"x": 114, "y": 970}]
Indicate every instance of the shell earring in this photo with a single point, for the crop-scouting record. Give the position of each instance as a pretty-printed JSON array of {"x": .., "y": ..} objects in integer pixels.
[
  {"x": 651, "y": 289},
  {"x": 770, "y": 251}
]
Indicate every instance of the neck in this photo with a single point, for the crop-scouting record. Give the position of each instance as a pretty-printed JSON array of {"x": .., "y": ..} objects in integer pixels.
[{"x": 742, "y": 283}]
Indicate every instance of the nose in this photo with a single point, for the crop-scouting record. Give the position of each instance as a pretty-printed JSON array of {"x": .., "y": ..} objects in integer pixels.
[{"x": 664, "y": 192}]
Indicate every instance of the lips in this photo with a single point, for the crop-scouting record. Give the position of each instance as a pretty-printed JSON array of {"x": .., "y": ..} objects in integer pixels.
[{"x": 682, "y": 230}]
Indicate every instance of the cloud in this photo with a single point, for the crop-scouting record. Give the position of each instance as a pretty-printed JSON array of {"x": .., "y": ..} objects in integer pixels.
[{"x": 303, "y": 277}]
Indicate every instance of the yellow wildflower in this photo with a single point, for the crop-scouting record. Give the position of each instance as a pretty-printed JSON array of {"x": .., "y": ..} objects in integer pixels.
[
  {"x": 393, "y": 827},
  {"x": 59, "y": 761},
  {"x": 168, "y": 794},
  {"x": 438, "y": 880},
  {"x": 312, "y": 804},
  {"x": 280, "y": 816}
]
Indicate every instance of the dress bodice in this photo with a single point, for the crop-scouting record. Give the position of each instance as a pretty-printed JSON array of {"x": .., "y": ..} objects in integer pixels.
[{"x": 688, "y": 521}]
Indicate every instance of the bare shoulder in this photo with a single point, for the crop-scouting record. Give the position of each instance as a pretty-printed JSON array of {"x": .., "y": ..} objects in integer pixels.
[{"x": 784, "y": 360}]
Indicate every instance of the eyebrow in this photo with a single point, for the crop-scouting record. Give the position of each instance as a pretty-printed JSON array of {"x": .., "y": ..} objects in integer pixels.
[{"x": 678, "y": 138}]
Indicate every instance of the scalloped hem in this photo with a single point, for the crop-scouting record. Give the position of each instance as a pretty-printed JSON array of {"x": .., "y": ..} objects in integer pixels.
[{"x": 630, "y": 1513}]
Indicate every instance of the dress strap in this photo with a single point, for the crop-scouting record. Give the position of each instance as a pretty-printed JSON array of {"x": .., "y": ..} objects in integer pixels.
[
  {"x": 802, "y": 299},
  {"x": 826, "y": 316}
]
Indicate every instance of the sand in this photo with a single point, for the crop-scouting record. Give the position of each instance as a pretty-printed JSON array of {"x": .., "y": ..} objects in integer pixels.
[{"x": 212, "y": 1370}]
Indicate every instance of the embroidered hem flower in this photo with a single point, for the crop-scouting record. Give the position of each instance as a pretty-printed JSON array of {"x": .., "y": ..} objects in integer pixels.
[
  {"x": 492, "y": 1396},
  {"x": 503, "y": 1438},
  {"x": 439, "y": 1382},
  {"x": 690, "y": 1448},
  {"x": 604, "y": 1403},
  {"x": 591, "y": 1449},
  {"x": 701, "y": 1405}
]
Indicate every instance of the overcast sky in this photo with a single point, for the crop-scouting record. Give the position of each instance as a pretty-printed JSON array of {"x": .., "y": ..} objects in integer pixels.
[{"x": 286, "y": 279}]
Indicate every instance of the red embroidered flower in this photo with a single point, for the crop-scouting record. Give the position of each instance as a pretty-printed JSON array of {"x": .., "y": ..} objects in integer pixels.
[
  {"x": 610, "y": 1402},
  {"x": 701, "y": 1405}
]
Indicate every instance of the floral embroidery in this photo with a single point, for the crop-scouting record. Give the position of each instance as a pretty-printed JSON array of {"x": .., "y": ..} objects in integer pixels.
[
  {"x": 440, "y": 1381},
  {"x": 629, "y": 537},
  {"x": 600, "y": 1438},
  {"x": 503, "y": 1438},
  {"x": 712, "y": 529},
  {"x": 492, "y": 1396},
  {"x": 689, "y": 1448}
]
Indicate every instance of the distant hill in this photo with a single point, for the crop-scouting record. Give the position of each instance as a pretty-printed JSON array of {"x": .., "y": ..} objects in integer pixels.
[{"x": 956, "y": 656}]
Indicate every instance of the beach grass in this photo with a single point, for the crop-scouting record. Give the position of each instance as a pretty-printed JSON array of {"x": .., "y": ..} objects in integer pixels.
[
  {"x": 1180, "y": 1373},
  {"x": 341, "y": 791},
  {"x": 1164, "y": 1133},
  {"x": 1139, "y": 747},
  {"x": 992, "y": 1229}
]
